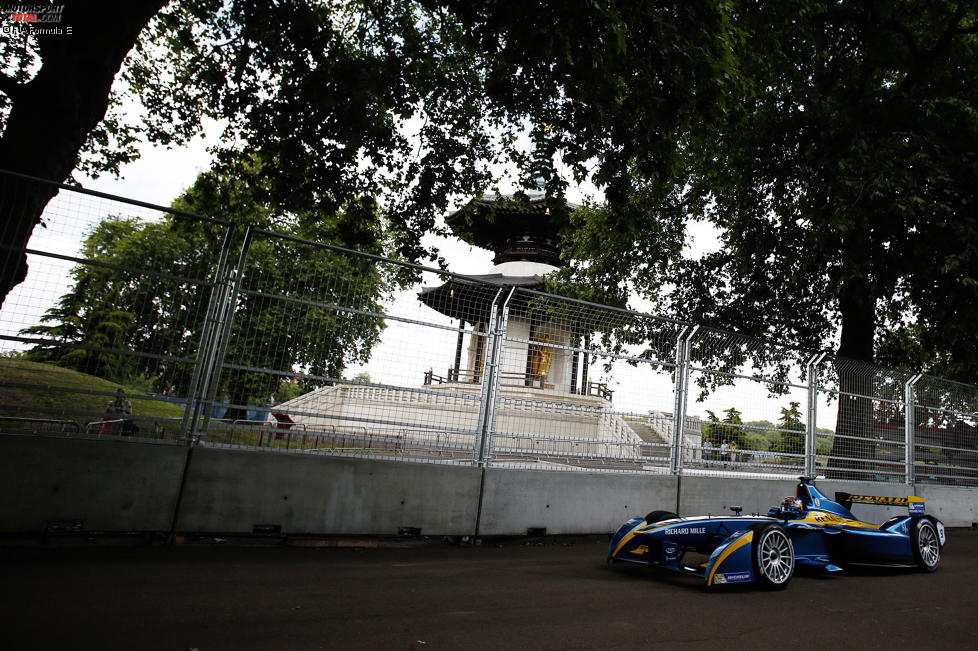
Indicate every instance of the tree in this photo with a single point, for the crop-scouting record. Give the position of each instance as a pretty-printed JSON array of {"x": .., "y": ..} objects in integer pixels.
[
  {"x": 842, "y": 188},
  {"x": 145, "y": 296},
  {"x": 730, "y": 429},
  {"x": 327, "y": 93},
  {"x": 54, "y": 94},
  {"x": 791, "y": 431},
  {"x": 96, "y": 315}
]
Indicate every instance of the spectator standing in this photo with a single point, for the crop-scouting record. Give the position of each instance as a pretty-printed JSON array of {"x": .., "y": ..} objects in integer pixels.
[
  {"x": 724, "y": 452},
  {"x": 118, "y": 409},
  {"x": 120, "y": 406},
  {"x": 707, "y": 449}
]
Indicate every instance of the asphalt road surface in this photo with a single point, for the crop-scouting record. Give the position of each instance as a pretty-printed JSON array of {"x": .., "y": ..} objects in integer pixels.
[{"x": 556, "y": 595}]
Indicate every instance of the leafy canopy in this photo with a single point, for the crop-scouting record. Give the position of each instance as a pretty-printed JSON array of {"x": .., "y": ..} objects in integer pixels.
[
  {"x": 421, "y": 103},
  {"x": 840, "y": 184}
]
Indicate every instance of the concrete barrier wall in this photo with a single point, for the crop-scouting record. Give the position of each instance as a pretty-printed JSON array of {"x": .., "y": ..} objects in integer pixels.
[
  {"x": 231, "y": 491},
  {"x": 956, "y": 507},
  {"x": 715, "y": 495},
  {"x": 569, "y": 502},
  {"x": 117, "y": 485},
  {"x": 124, "y": 485}
]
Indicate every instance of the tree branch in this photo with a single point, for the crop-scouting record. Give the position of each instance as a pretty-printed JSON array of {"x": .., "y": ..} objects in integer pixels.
[
  {"x": 10, "y": 88},
  {"x": 924, "y": 61}
]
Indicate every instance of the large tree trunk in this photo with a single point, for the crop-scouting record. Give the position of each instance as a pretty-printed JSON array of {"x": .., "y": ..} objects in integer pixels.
[
  {"x": 857, "y": 305},
  {"x": 51, "y": 116}
]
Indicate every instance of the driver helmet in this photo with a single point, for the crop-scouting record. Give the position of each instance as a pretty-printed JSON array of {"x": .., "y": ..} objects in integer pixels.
[{"x": 792, "y": 503}]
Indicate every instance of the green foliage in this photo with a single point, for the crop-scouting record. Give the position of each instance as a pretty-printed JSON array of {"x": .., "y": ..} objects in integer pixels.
[
  {"x": 840, "y": 185},
  {"x": 289, "y": 389},
  {"x": 325, "y": 106},
  {"x": 730, "y": 429},
  {"x": 147, "y": 296},
  {"x": 823, "y": 444},
  {"x": 418, "y": 101},
  {"x": 787, "y": 435},
  {"x": 832, "y": 144},
  {"x": 94, "y": 311},
  {"x": 791, "y": 439},
  {"x": 414, "y": 103}
]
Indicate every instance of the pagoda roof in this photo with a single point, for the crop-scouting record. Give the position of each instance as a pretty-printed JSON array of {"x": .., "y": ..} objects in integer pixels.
[
  {"x": 495, "y": 220},
  {"x": 469, "y": 298}
]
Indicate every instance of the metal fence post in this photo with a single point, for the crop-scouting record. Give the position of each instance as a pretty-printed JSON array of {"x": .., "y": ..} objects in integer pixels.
[
  {"x": 502, "y": 319},
  {"x": 208, "y": 337},
  {"x": 486, "y": 394},
  {"x": 811, "y": 434},
  {"x": 909, "y": 424},
  {"x": 212, "y": 376},
  {"x": 679, "y": 415}
]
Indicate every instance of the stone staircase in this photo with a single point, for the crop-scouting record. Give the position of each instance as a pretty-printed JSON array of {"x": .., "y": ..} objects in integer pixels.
[
  {"x": 658, "y": 431},
  {"x": 646, "y": 432}
]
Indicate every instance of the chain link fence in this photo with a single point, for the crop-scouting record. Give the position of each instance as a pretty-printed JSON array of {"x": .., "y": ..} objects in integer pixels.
[
  {"x": 114, "y": 318},
  {"x": 147, "y": 322}
]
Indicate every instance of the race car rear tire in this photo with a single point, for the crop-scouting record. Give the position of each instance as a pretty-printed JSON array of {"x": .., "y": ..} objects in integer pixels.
[
  {"x": 926, "y": 545},
  {"x": 772, "y": 556},
  {"x": 658, "y": 516}
]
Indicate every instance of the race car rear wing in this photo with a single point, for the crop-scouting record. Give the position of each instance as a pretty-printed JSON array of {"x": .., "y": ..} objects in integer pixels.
[{"x": 914, "y": 504}]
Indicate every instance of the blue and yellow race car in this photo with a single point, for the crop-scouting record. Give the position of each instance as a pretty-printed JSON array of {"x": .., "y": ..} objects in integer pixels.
[{"x": 806, "y": 530}]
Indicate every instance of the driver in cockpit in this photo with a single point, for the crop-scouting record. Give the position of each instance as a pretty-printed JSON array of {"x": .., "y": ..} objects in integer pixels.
[{"x": 791, "y": 507}]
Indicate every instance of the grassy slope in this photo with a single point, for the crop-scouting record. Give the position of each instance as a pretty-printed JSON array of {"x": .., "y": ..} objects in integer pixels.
[{"x": 55, "y": 392}]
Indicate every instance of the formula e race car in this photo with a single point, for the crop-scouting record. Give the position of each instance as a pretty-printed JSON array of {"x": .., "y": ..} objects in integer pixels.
[{"x": 806, "y": 530}]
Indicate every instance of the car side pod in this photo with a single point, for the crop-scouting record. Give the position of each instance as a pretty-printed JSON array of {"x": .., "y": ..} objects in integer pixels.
[{"x": 762, "y": 554}]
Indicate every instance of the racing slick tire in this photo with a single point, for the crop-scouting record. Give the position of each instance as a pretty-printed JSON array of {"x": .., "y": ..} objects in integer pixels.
[
  {"x": 772, "y": 556},
  {"x": 658, "y": 516},
  {"x": 926, "y": 545}
]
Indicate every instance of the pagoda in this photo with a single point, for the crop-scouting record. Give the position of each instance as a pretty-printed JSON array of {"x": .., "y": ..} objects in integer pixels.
[
  {"x": 522, "y": 231},
  {"x": 547, "y": 404}
]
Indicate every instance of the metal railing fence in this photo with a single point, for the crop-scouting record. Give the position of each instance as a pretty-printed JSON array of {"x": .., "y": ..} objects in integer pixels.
[{"x": 239, "y": 336}]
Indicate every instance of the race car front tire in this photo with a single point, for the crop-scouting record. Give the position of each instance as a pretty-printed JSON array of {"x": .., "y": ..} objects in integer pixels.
[
  {"x": 926, "y": 545},
  {"x": 772, "y": 557},
  {"x": 659, "y": 516}
]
